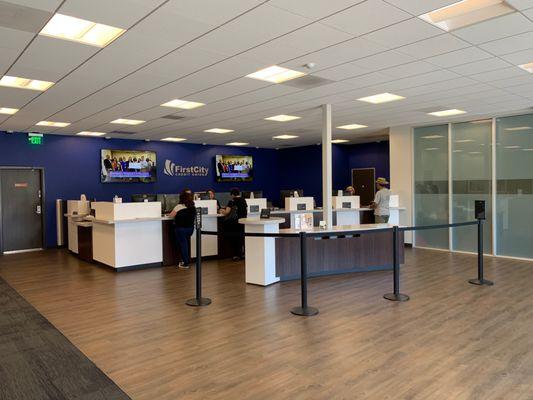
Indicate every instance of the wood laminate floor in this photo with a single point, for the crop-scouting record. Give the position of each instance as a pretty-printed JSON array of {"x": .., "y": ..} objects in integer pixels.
[{"x": 451, "y": 341}]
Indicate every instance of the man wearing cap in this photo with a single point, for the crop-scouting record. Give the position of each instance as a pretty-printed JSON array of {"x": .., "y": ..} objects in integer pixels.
[{"x": 381, "y": 202}]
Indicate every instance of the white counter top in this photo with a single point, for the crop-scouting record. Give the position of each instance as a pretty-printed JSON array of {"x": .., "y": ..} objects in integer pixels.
[
  {"x": 339, "y": 229},
  {"x": 316, "y": 210},
  {"x": 258, "y": 221}
]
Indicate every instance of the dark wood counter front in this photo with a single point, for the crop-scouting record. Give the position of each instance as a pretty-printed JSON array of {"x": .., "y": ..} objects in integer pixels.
[{"x": 365, "y": 252}]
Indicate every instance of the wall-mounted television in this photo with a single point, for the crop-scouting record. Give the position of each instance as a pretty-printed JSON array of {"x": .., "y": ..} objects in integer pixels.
[
  {"x": 119, "y": 166},
  {"x": 234, "y": 168}
]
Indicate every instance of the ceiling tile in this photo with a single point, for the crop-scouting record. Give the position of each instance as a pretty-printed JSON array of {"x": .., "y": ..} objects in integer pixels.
[
  {"x": 410, "y": 69},
  {"x": 434, "y": 46},
  {"x": 459, "y": 57},
  {"x": 314, "y": 9},
  {"x": 403, "y": 33},
  {"x": 343, "y": 71},
  {"x": 521, "y": 4},
  {"x": 477, "y": 67},
  {"x": 47, "y": 5},
  {"x": 366, "y": 17},
  {"x": 499, "y": 74},
  {"x": 510, "y": 44},
  {"x": 417, "y": 7},
  {"x": 497, "y": 28},
  {"x": 520, "y": 57}
]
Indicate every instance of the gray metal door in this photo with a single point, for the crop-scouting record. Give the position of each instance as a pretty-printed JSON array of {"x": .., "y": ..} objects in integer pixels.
[{"x": 21, "y": 209}]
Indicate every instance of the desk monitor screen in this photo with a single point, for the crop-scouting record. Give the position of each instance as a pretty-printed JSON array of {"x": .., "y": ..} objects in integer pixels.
[
  {"x": 234, "y": 168},
  {"x": 139, "y": 198},
  {"x": 289, "y": 193},
  {"x": 258, "y": 194},
  {"x": 131, "y": 166}
]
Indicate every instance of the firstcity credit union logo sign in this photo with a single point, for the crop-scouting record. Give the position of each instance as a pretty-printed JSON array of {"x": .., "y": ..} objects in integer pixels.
[{"x": 171, "y": 169}]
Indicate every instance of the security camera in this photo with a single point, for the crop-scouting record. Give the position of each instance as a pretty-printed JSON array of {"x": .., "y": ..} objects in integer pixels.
[{"x": 310, "y": 65}]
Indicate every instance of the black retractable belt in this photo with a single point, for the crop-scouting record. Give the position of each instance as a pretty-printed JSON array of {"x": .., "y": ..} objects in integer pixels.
[{"x": 198, "y": 301}]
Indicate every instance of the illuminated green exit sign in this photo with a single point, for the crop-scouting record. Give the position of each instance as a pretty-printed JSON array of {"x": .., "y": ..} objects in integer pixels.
[{"x": 35, "y": 138}]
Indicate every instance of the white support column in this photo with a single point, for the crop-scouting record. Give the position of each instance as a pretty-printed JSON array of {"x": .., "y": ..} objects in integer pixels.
[{"x": 327, "y": 185}]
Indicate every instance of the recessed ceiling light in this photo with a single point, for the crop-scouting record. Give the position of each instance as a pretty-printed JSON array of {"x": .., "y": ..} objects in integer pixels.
[
  {"x": 337, "y": 141},
  {"x": 432, "y": 148},
  {"x": 285, "y": 137},
  {"x": 173, "y": 139},
  {"x": 447, "y": 113},
  {"x": 9, "y": 111},
  {"x": 79, "y": 30},
  {"x": 432, "y": 137},
  {"x": 276, "y": 74},
  {"x": 512, "y": 147},
  {"x": 458, "y": 151},
  {"x": 474, "y": 152},
  {"x": 518, "y": 128},
  {"x": 128, "y": 121},
  {"x": 89, "y": 133},
  {"x": 527, "y": 67},
  {"x": 25, "y": 83},
  {"x": 237, "y": 144},
  {"x": 282, "y": 118},
  {"x": 351, "y": 127},
  {"x": 466, "y": 12},
  {"x": 381, "y": 98},
  {"x": 481, "y": 121},
  {"x": 183, "y": 104},
  {"x": 464, "y": 141},
  {"x": 54, "y": 124},
  {"x": 527, "y": 149},
  {"x": 219, "y": 130}
]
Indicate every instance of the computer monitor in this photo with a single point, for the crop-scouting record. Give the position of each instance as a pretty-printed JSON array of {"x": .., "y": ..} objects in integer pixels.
[
  {"x": 140, "y": 198},
  {"x": 258, "y": 194},
  {"x": 289, "y": 193}
]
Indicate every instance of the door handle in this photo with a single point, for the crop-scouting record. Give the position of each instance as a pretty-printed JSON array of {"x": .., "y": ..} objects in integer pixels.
[{"x": 38, "y": 209}]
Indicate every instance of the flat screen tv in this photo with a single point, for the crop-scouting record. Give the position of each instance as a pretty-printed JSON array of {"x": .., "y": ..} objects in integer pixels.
[
  {"x": 234, "y": 168},
  {"x": 119, "y": 166}
]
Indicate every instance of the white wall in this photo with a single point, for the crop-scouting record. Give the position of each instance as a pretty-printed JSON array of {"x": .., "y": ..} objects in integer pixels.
[{"x": 401, "y": 174}]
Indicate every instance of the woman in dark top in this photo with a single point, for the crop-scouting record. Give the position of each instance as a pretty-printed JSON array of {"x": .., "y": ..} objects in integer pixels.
[
  {"x": 184, "y": 214},
  {"x": 236, "y": 209},
  {"x": 211, "y": 194}
]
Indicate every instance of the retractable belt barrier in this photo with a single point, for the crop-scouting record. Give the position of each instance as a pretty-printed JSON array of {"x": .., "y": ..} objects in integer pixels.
[{"x": 304, "y": 309}]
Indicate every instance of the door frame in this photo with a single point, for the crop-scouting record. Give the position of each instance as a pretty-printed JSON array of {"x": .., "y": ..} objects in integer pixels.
[
  {"x": 43, "y": 207},
  {"x": 360, "y": 169}
]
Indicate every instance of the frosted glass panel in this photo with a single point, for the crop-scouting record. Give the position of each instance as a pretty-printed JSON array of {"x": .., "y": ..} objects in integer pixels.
[
  {"x": 471, "y": 175},
  {"x": 431, "y": 184},
  {"x": 514, "y": 196}
]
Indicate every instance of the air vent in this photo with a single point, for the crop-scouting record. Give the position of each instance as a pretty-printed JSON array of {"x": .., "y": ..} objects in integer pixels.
[
  {"x": 171, "y": 116},
  {"x": 22, "y": 18},
  {"x": 123, "y": 132},
  {"x": 308, "y": 82}
]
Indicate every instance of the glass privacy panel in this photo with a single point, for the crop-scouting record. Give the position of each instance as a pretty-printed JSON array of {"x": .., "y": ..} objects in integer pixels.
[
  {"x": 514, "y": 186},
  {"x": 472, "y": 178},
  {"x": 431, "y": 184}
]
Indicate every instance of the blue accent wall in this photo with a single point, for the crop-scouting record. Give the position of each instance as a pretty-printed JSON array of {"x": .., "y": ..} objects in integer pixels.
[{"x": 72, "y": 167}]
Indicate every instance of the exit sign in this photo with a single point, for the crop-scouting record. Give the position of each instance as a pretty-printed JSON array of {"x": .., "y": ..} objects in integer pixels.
[{"x": 35, "y": 138}]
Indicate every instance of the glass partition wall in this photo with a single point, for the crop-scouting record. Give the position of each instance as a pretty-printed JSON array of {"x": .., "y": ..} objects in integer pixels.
[{"x": 456, "y": 164}]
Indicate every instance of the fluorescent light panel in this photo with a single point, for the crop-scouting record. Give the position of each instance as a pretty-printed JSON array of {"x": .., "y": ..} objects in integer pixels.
[
  {"x": 282, "y": 118},
  {"x": 464, "y": 141},
  {"x": 351, "y": 127},
  {"x": 518, "y": 128},
  {"x": 128, "y": 121},
  {"x": 285, "y": 137},
  {"x": 25, "y": 83},
  {"x": 527, "y": 149},
  {"x": 512, "y": 147},
  {"x": 54, "y": 124},
  {"x": 80, "y": 30},
  {"x": 527, "y": 67},
  {"x": 465, "y": 13},
  {"x": 183, "y": 104},
  {"x": 219, "y": 130},
  {"x": 237, "y": 144},
  {"x": 337, "y": 141},
  {"x": 381, "y": 98},
  {"x": 89, "y": 133},
  {"x": 173, "y": 139},
  {"x": 276, "y": 74},
  {"x": 7, "y": 110},
  {"x": 447, "y": 113},
  {"x": 432, "y": 137},
  {"x": 432, "y": 148}
]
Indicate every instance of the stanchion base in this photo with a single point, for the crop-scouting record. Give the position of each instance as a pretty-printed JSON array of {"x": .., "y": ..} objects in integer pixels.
[
  {"x": 307, "y": 311},
  {"x": 396, "y": 297},
  {"x": 480, "y": 282},
  {"x": 203, "y": 301}
]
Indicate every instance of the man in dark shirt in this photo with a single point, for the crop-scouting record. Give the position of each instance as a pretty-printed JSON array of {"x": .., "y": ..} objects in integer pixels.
[{"x": 235, "y": 210}]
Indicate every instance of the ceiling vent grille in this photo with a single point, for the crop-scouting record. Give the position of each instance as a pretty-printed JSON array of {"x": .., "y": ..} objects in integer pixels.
[
  {"x": 308, "y": 82},
  {"x": 174, "y": 117}
]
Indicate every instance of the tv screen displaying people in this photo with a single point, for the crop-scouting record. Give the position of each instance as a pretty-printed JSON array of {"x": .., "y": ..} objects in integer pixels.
[
  {"x": 234, "y": 168},
  {"x": 118, "y": 166}
]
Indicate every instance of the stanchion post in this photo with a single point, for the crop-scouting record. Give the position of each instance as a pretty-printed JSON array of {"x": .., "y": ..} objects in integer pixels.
[
  {"x": 304, "y": 309},
  {"x": 480, "y": 280},
  {"x": 198, "y": 301},
  {"x": 396, "y": 295}
]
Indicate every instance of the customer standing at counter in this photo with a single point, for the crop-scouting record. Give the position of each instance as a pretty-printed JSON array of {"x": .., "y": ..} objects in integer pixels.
[
  {"x": 184, "y": 214},
  {"x": 381, "y": 202},
  {"x": 236, "y": 209}
]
